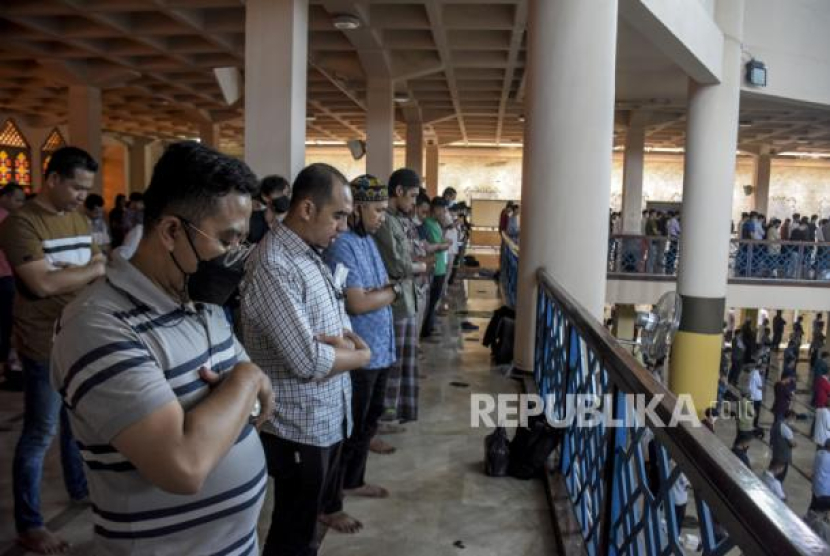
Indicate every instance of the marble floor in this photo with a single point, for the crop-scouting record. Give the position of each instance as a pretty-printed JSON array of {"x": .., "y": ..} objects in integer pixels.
[{"x": 441, "y": 502}]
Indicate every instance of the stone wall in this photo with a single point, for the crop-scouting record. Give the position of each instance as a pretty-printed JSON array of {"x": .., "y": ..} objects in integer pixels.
[{"x": 796, "y": 184}]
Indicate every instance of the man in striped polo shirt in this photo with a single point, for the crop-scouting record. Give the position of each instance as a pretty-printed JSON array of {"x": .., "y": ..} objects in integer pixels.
[
  {"x": 159, "y": 391},
  {"x": 49, "y": 245}
]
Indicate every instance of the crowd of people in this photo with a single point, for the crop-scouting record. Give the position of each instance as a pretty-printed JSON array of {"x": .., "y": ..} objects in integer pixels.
[
  {"x": 656, "y": 249},
  {"x": 213, "y": 331},
  {"x": 747, "y": 369}
]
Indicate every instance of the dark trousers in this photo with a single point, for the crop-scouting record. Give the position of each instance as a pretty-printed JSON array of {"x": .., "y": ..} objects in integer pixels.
[
  {"x": 368, "y": 391},
  {"x": 6, "y": 316},
  {"x": 306, "y": 485},
  {"x": 757, "y": 405},
  {"x": 679, "y": 515},
  {"x": 435, "y": 289},
  {"x": 42, "y": 415}
]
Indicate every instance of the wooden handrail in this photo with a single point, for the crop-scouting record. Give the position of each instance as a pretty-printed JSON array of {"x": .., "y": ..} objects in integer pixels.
[{"x": 759, "y": 522}]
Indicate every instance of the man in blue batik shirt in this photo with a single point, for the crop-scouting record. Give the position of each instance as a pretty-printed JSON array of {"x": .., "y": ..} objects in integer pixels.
[{"x": 369, "y": 298}]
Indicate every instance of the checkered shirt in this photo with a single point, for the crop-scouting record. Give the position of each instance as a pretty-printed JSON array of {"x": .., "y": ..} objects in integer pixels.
[{"x": 289, "y": 298}]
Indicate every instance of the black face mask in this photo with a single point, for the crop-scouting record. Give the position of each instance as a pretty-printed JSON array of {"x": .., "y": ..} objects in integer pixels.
[
  {"x": 216, "y": 279},
  {"x": 281, "y": 204}
]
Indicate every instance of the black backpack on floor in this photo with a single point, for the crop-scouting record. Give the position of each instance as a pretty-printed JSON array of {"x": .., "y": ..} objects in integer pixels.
[{"x": 531, "y": 447}]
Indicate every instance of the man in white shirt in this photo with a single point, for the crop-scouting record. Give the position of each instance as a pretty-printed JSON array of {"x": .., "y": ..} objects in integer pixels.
[
  {"x": 756, "y": 392},
  {"x": 821, "y": 428},
  {"x": 821, "y": 480},
  {"x": 770, "y": 478}
]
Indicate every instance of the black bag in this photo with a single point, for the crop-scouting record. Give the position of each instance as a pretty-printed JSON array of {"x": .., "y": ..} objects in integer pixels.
[
  {"x": 496, "y": 453},
  {"x": 531, "y": 447},
  {"x": 502, "y": 349}
]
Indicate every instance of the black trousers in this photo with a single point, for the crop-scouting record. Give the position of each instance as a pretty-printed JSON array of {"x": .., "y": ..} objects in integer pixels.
[
  {"x": 435, "y": 289},
  {"x": 6, "y": 316},
  {"x": 306, "y": 484},
  {"x": 757, "y": 406},
  {"x": 368, "y": 392}
]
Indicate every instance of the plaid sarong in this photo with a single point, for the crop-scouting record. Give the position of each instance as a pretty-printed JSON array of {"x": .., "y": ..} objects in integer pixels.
[{"x": 402, "y": 383}]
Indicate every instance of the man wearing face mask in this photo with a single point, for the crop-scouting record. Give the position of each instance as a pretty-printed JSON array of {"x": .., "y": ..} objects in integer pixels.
[
  {"x": 271, "y": 206},
  {"x": 369, "y": 298},
  {"x": 296, "y": 327},
  {"x": 159, "y": 392}
]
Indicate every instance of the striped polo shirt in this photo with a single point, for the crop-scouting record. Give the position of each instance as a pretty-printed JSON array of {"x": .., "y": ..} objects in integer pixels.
[
  {"x": 124, "y": 348},
  {"x": 62, "y": 239}
]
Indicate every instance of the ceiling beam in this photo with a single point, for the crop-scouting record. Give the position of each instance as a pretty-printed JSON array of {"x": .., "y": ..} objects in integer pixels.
[
  {"x": 519, "y": 26},
  {"x": 336, "y": 117},
  {"x": 439, "y": 35}
]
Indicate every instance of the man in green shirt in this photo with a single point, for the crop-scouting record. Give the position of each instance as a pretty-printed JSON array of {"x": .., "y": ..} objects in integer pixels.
[
  {"x": 395, "y": 247},
  {"x": 432, "y": 225}
]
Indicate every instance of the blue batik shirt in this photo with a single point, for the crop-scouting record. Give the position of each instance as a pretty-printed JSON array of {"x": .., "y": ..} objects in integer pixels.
[{"x": 366, "y": 270}]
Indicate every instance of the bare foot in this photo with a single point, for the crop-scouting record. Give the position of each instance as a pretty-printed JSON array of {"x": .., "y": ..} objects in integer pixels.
[
  {"x": 368, "y": 491},
  {"x": 42, "y": 541},
  {"x": 381, "y": 447},
  {"x": 341, "y": 522}
]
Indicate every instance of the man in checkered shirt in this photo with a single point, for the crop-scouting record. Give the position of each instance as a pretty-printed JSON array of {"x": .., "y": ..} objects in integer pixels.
[{"x": 297, "y": 330}]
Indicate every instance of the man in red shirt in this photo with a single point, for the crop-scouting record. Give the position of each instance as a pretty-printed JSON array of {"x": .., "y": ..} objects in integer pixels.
[{"x": 821, "y": 391}]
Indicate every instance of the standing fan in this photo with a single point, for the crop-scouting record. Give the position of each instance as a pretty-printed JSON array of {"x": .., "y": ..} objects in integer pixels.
[{"x": 658, "y": 328}]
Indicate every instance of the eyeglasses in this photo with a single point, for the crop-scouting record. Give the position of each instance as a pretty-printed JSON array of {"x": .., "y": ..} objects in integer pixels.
[{"x": 233, "y": 255}]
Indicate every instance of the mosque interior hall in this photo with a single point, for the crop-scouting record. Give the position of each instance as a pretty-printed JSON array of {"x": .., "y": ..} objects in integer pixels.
[{"x": 502, "y": 277}]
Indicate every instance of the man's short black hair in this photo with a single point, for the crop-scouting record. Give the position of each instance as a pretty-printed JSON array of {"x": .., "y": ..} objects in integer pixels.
[
  {"x": 93, "y": 201},
  {"x": 316, "y": 182},
  {"x": 10, "y": 188},
  {"x": 190, "y": 178},
  {"x": 271, "y": 184},
  {"x": 438, "y": 202},
  {"x": 404, "y": 177},
  {"x": 136, "y": 196},
  {"x": 449, "y": 191},
  {"x": 66, "y": 160},
  {"x": 423, "y": 199}
]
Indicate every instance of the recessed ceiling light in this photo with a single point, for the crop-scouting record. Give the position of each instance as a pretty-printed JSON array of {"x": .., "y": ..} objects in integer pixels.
[
  {"x": 745, "y": 123},
  {"x": 521, "y": 117},
  {"x": 402, "y": 97},
  {"x": 310, "y": 118},
  {"x": 346, "y": 22}
]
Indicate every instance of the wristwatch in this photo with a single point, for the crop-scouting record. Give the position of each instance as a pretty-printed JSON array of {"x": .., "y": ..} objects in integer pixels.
[{"x": 398, "y": 289}]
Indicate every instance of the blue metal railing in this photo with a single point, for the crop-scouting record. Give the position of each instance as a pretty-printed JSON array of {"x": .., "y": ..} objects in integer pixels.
[
  {"x": 624, "y": 482},
  {"x": 508, "y": 270},
  {"x": 749, "y": 260}
]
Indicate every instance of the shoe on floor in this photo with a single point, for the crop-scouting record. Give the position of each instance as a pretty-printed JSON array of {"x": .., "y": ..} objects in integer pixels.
[{"x": 467, "y": 325}]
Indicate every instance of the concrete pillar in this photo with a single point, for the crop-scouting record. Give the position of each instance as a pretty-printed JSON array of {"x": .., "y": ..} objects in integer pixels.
[
  {"x": 711, "y": 142},
  {"x": 625, "y": 317},
  {"x": 138, "y": 162},
  {"x": 432, "y": 156},
  {"x": 209, "y": 134},
  {"x": 85, "y": 123},
  {"x": 380, "y": 127},
  {"x": 763, "y": 171},
  {"x": 633, "y": 161},
  {"x": 276, "y": 61},
  {"x": 568, "y": 140},
  {"x": 415, "y": 147}
]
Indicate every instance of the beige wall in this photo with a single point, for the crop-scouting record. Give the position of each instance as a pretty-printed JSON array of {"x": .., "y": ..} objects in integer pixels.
[
  {"x": 802, "y": 185},
  {"x": 791, "y": 37}
]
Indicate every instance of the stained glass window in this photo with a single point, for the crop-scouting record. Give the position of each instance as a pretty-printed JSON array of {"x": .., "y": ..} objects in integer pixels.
[
  {"x": 52, "y": 143},
  {"x": 15, "y": 157}
]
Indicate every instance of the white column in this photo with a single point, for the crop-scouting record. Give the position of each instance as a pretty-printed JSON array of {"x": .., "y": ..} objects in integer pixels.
[
  {"x": 763, "y": 172},
  {"x": 276, "y": 60},
  {"x": 85, "y": 123},
  {"x": 632, "y": 191},
  {"x": 380, "y": 127},
  {"x": 209, "y": 134},
  {"x": 415, "y": 147},
  {"x": 711, "y": 143},
  {"x": 432, "y": 170},
  {"x": 566, "y": 178}
]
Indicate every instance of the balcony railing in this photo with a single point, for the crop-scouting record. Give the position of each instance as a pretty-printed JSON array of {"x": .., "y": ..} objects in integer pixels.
[
  {"x": 620, "y": 481},
  {"x": 623, "y": 504},
  {"x": 749, "y": 260},
  {"x": 508, "y": 270}
]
